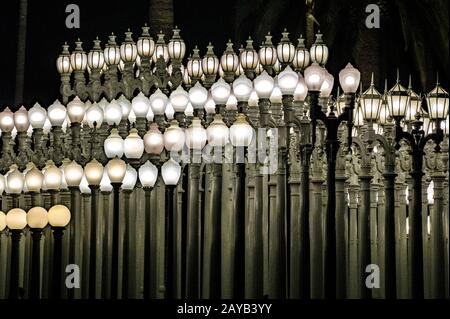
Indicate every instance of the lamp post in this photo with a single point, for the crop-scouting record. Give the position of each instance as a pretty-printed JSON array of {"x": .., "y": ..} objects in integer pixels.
[
  {"x": 437, "y": 101},
  {"x": 16, "y": 220},
  {"x": 116, "y": 169},
  {"x": 94, "y": 173},
  {"x": 171, "y": 172},
  {"x": 37, "y": 219},
  {"x": 58, "y": 218},
  {"x": 349, "y": 80}
]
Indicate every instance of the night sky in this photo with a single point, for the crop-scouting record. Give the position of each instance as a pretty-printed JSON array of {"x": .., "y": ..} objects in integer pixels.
[{"x": 199, "y": 21}]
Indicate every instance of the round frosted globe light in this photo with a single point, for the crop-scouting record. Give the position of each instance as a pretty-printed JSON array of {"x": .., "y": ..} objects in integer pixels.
[
  {"x": 113, "y": 144},
  {"x": 179, "y": 99},
  {"x": 73, "y": 173},
  {"x": 242, "y": 88},
  {"x": 59, "y": 216},
  {"x": 171, "y": 172},
  {"x": 217, "y": 132},
  {"x": 34, "y": 179},
  {"x": 37, "y": 217},
  {"x": 241, "y": 132},
  {"x": 198, "y": 95},
  {"x": 314, "y": 77},
  {"x": 148, "y": 173},
  {"x": 116, "y": 170},
  {"x": 153, "y": 140},
  {"x": 196, "y": 135},
  {"x": 287, "y": 81},
  {"x": 21, "y": 119},
  {"x": 16, "y": 219},
  {"x": 220, "y": 91},
  {"x": 57, "y": 113},
  {"x": 349, "y": 78},
  {"x": 140, "y": 105},
  {"x": 76, "y": 110},
  {"x": 37, "y": 116},
  {"x": 263, "y": 85},
  {"x": 130, "y": 178},
  {"x": 94, "y": 172},
  {"x": 158, "y": 102},
  {"x": 6, "y": 120},
  {"x": 94, "y": 114},
  {"x": 2, "y": 221},
  {"x": 174, "y": 137},
  {"x": 113, "y": 113},
  {"x": 133, "y": 146}
]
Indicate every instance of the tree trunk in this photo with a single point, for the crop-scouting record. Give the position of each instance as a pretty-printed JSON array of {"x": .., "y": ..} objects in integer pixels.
[
  {"x": 21, "y": 47},
  {"x": 161, "y": 17}
]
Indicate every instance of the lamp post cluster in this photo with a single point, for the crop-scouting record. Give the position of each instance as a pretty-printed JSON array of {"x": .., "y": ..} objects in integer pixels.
[{"x": 141, "y": 112}]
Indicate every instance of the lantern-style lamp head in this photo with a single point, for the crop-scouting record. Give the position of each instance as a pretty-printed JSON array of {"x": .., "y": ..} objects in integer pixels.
[
  {"x": 287, "y": 81},
  {"x": 37, "y": 116},
  {"x": 285, "y": 49},
  {"x": 314, "y": 77},
  {"x": 437, "y": 101},
  {"x": 57, "y": 113},
  {"x": 267, "y": 53},
  {"x": 370, "y": 102},
  {"x": 158, "y": 102},
  {"x": 140, "y": 104},
  {"x": 249, "y": 57},
  {"x": 63, "y": 61},
  {"x": 113, "y": 144},
  {"x": 229, "y": 60},
  {"x": 301, "y": 56},
  {"x": 397, "y": 99},
  {"x": 6, "y": 120},
  {"x": 145, "y": 44},
  {"x": 128, "y": 49},
  {"x": 21, "y": 119},
  {"x": 34, "y": 179},
  {"x": 148, "y": 173},
  {"x": 242, "y": 88},
  {"x": 58, "y": 216},
  {"x": 349, "y": 78},
  {"x": 78, "y": 58},
  {"x": 319, "y": 51},
  {"x": 76, "y": 110}
]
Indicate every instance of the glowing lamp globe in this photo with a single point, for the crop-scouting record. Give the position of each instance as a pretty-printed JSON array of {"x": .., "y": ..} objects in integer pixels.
[
  {"x": 171, "y": 172},
  {"x": 16, "y": 219},
  {"x": 73, "y": 173},
  {"x": 220, "y": 91},
  {"x": 301, "y": 90},
  {"x": 287, "y": 81},
  {"x": 158, "y": 102},
  {"x": 37, "y": 217},
  {"x": 314, "y": 76},
  {"x": 116, "y": 170},
  {"x": 14, "y": 181},
  {"x": 52, "y": 176},
  {"x": 113, "y": 113},
  {"x": 130, "y": 178},
  {"x": 94, "y": 115},
  {"x": 174, "y": 137},
  {"x": 241, "y": 132},
  {"x": 76, "y": 110},
  {"x": 148, "y": 173},
  {"x": 140, "y": 105},
  {"x": 6, "y": 120},
  {"x": 242, "y": 88},
  {"x": 34, "y": 179},
  {"x": 217, "y": 132},
  {"x": 133, "y": 146},
  {"x": 179, "y": 99},
  {"x": 349, "y": 78},
  {"x": 113, "y": 144},
  {"x": 57, "y": 113},
  {"x": 198, "y": 96},
  {"x": 196, "y": 135},
  {"x": 37, "y": 116},
  {"x": 21, "y": 119},
  {"x": 263, "y": 85},
  {"x": 94, "y": 172},
  {"x": 153, "y": 140},
  {"x": 58, "y": 216}
]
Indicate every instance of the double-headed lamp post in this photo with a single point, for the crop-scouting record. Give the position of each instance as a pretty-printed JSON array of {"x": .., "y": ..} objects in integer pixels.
[
  {"x": 349, "y": 78},
  {"x": 437, "y": 101}
]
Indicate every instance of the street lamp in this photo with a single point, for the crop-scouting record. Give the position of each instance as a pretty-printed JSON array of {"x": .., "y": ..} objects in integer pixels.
[{"x": 37, "y": 219}]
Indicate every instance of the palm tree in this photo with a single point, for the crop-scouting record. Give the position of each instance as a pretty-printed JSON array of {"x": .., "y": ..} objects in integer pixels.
[{"x": 21, "y": 52}]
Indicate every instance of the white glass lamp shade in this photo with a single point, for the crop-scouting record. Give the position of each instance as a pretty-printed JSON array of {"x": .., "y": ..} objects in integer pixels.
[
  {"x": 76, "y": 110},
  {"x": 176, "y": 46},
  {"x": 94, "y": 115},
  {"x": 217, "y": 132},
  {"x": 253, "y": 99},
  {"x": 116, "y": 170},
  {"x": 383, "y": 114},
  {"x": 57, "y": 113},
  {"x": 148, "y": 173},
  {"x": 37, "y": 116},
  {"x": 241, "y": 132},
  {"x": 285, "y": 49},
  {"x": 113, "y": 113},
  {"x": 301, "y": 56},
  {"x": 196, "y": 135},
  {"x": 73, "y": 173},
  {"x": 125, "y": 104},
  {"x": 153, "y": 140},
  {"x": 231, "y": 103},
  {"x": 63, "y": 63},
  {"x": 133, "y": 145},
  {"x": 327, "y": 85},
  {"x": 37, "y": 217},
  {"x": 128, "y": 49},
  {"x": 276, "y": 96},
  {"x": 287, "y": 81},
  {"x": 437, "y": 101},
  {"x": 140, "y": 105},
  {"x": 113, "y": 144},
  {"x": 314, "y": 77},
  {"x": 349, "y": 78},
  {"x": 263, "y": 85},
  {"x": 2, "y": 221},
  {"x": 145, "y": 45},
  {"x": 198, "y": 96},
  {"x": 158, "y": 102},
  {"x": 34, "y": 179},
  {"x": 179, "y": 99},
  {"x": 194, "y": 68},
  {"x": 370, "y": 103},
  {"x": 414, "y": 106},
  {"x": 242, "y": 88},
  {"x": 210, "y": 63},
  {"x": 150, "y": 115},
  {"x": 2, "y": 184},
  {"x": 111, "y": 53},
  {"x": 319, "y": 51},
  {"x": 94, "y": 172},
  {"x": 210, "y": 106},
  {"x": 105, "y": 183},
  {"x": 59, "y": 216},
  {"x": 21, "y": 119},
  {"x": 6, "y": 120},
  {"x": 130, "y": 178},
  {"x": 267, "y": 55},
  {"x": 96, "y": 58},
  {"x": 174, "y": 137},
  {"x": 171, "y": 172},
  {"x": 161, "y": 49},
  {"x": 249, "y": 57},
  {"x": 358, "y": 116},
  {"x": 16, "y": 219},
  {"x": 220, "y": 91},
  {"x": 301, "y": 90},
  {"x": 170, "y": 112},
  {"x": 397, "y": 99},
  {"x": 84, "y": 186},
  {"x": 189, "y": 110},
  {"x": 52, "y": 177},
  {"x": 14, "y": 181}
]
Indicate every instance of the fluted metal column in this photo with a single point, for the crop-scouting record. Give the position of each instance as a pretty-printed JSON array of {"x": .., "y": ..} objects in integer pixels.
[{"x": 364, "y": 231}]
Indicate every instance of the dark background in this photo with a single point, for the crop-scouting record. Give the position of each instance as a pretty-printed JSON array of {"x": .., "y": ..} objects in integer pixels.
[{"x": 413, "y": 35}]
